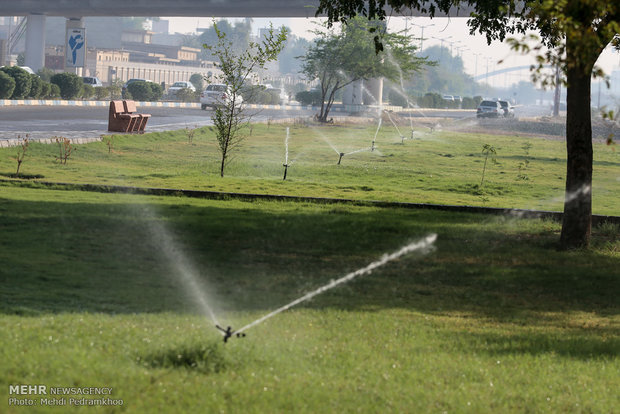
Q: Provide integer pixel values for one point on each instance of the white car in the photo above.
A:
(92, 81)
(177, 86)
(217, 95)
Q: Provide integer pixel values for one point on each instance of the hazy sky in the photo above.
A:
(473, 49)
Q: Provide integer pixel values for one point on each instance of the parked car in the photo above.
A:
(177, 86)
(92, 81)
(448, 98)
(509, 110)
(489, 109)
(217, 95)
(132, 80)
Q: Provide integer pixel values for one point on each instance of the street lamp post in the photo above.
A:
(422, 37)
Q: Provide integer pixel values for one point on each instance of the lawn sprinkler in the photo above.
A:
(340, 159)
(228, 332)
(372, 146)
(285, 170)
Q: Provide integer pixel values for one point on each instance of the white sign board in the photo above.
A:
(75, 47)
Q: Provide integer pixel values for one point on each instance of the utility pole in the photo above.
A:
(422, 38)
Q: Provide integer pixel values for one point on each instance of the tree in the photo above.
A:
(238, 34)
(338, 59)
(237, 68)
(575, 32)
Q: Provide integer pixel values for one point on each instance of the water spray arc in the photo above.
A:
(421, 245)
(286, 164)
(374, 139)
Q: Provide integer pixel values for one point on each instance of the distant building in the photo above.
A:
(161, 26)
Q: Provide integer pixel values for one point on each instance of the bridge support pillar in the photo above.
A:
(35, 41)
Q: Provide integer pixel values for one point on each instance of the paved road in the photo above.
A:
(91, 122)
(41, 122)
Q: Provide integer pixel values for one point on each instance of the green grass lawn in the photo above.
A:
(100, 290)
(494, 319)
(442, 167)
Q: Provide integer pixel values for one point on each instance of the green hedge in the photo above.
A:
(70, 84)
(7, 85)
(23, 81)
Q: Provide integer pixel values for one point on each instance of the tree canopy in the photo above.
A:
(339, 58)
(573, 33)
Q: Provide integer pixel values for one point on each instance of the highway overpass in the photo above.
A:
(74, 10)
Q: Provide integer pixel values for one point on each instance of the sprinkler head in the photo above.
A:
(228, 332)
(340, 159)
(285, 170)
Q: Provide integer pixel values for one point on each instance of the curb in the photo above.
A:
(217, 195)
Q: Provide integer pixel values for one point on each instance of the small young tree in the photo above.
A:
(487, 150)
(230, 118)
(22, 148)
(65, 149)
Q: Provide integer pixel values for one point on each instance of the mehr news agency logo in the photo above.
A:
(32, 395)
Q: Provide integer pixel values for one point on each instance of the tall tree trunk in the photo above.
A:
(577, 218)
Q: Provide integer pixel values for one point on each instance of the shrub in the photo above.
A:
(144, 91)
(468, 103)
(87, 91)
(309, 97)
(46, 88)
(156, 91)
(102, 93)
(54, 91)
(70, 84)
(45, 74)
(140, 91)
(22, 79)
(7, 85)
(186, 95)
(36, 86)
(197, 80)
(115, 88)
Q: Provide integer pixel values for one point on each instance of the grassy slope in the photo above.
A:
(443, 167)
(494, 320)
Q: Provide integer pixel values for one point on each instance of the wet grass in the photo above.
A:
(442, 167)
(493, 320)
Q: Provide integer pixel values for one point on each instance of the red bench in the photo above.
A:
(130, 109)
(119, 120)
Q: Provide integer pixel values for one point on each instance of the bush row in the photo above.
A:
(435, 100)
(16, 83)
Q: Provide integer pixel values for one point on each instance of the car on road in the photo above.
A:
(217, 95)
(93, 81)
(509, 110)
(489, 109)
(177, 86)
